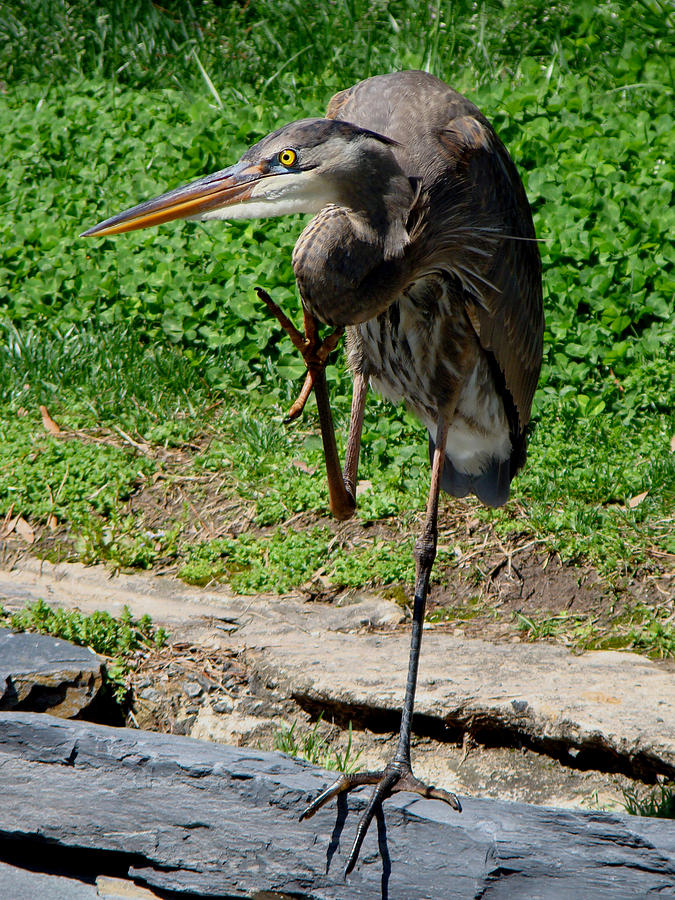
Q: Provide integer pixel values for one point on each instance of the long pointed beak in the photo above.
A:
(221, 189)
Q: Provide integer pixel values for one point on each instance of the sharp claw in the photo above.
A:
(446, 796)
(324, 797)
(356, 849)
(337, 787)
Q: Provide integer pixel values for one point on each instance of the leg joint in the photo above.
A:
(425, 550)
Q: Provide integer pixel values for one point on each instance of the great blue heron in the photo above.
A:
(422, 247)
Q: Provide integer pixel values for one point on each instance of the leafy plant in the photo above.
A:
(119, 639)
(659, 803)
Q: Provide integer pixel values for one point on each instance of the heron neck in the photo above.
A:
(378, 217)
(343, 272)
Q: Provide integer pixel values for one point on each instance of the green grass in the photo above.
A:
(42, 475)
(119, 639)
(283, 49)
(659, 803)
(314, 747)
(104, 374)
(159, 334)
(640, 628)
(287, 559)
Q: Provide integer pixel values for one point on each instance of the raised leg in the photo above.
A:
(398, 776)
(341, 488)
(314, 351)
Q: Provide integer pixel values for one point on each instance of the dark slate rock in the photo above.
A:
(211, 820)
(18, 883)
(44, 674)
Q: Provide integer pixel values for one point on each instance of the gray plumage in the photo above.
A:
(422, 245)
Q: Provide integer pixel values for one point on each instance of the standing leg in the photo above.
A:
(398, 776)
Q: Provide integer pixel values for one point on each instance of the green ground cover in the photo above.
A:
(153, 354)
(122, 640)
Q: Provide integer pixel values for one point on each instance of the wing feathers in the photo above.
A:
(472, 217)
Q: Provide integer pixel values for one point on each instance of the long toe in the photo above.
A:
(408, 782)
(396, 777)
(341, 785)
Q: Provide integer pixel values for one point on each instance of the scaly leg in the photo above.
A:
(398, 776)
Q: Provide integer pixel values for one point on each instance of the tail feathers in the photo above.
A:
(492, 486)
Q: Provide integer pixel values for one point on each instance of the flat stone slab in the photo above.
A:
(209, 820)
(354, 659)
(41, 673)
(18, 883)
(616, 704)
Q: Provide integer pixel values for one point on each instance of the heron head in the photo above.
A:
(300, 168)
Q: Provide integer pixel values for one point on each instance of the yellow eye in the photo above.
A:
(288, 157)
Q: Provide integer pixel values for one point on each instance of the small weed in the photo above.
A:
(124, 543)
(550, 626)
(659, 803)
(118, 639)
(398, 594)
(250, 564)
(642, 629)
(656, 639)
(315, 749)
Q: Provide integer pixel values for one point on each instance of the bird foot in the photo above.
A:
(397, 776)
(314, 351)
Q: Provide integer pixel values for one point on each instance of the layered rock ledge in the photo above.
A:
(203, 820)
